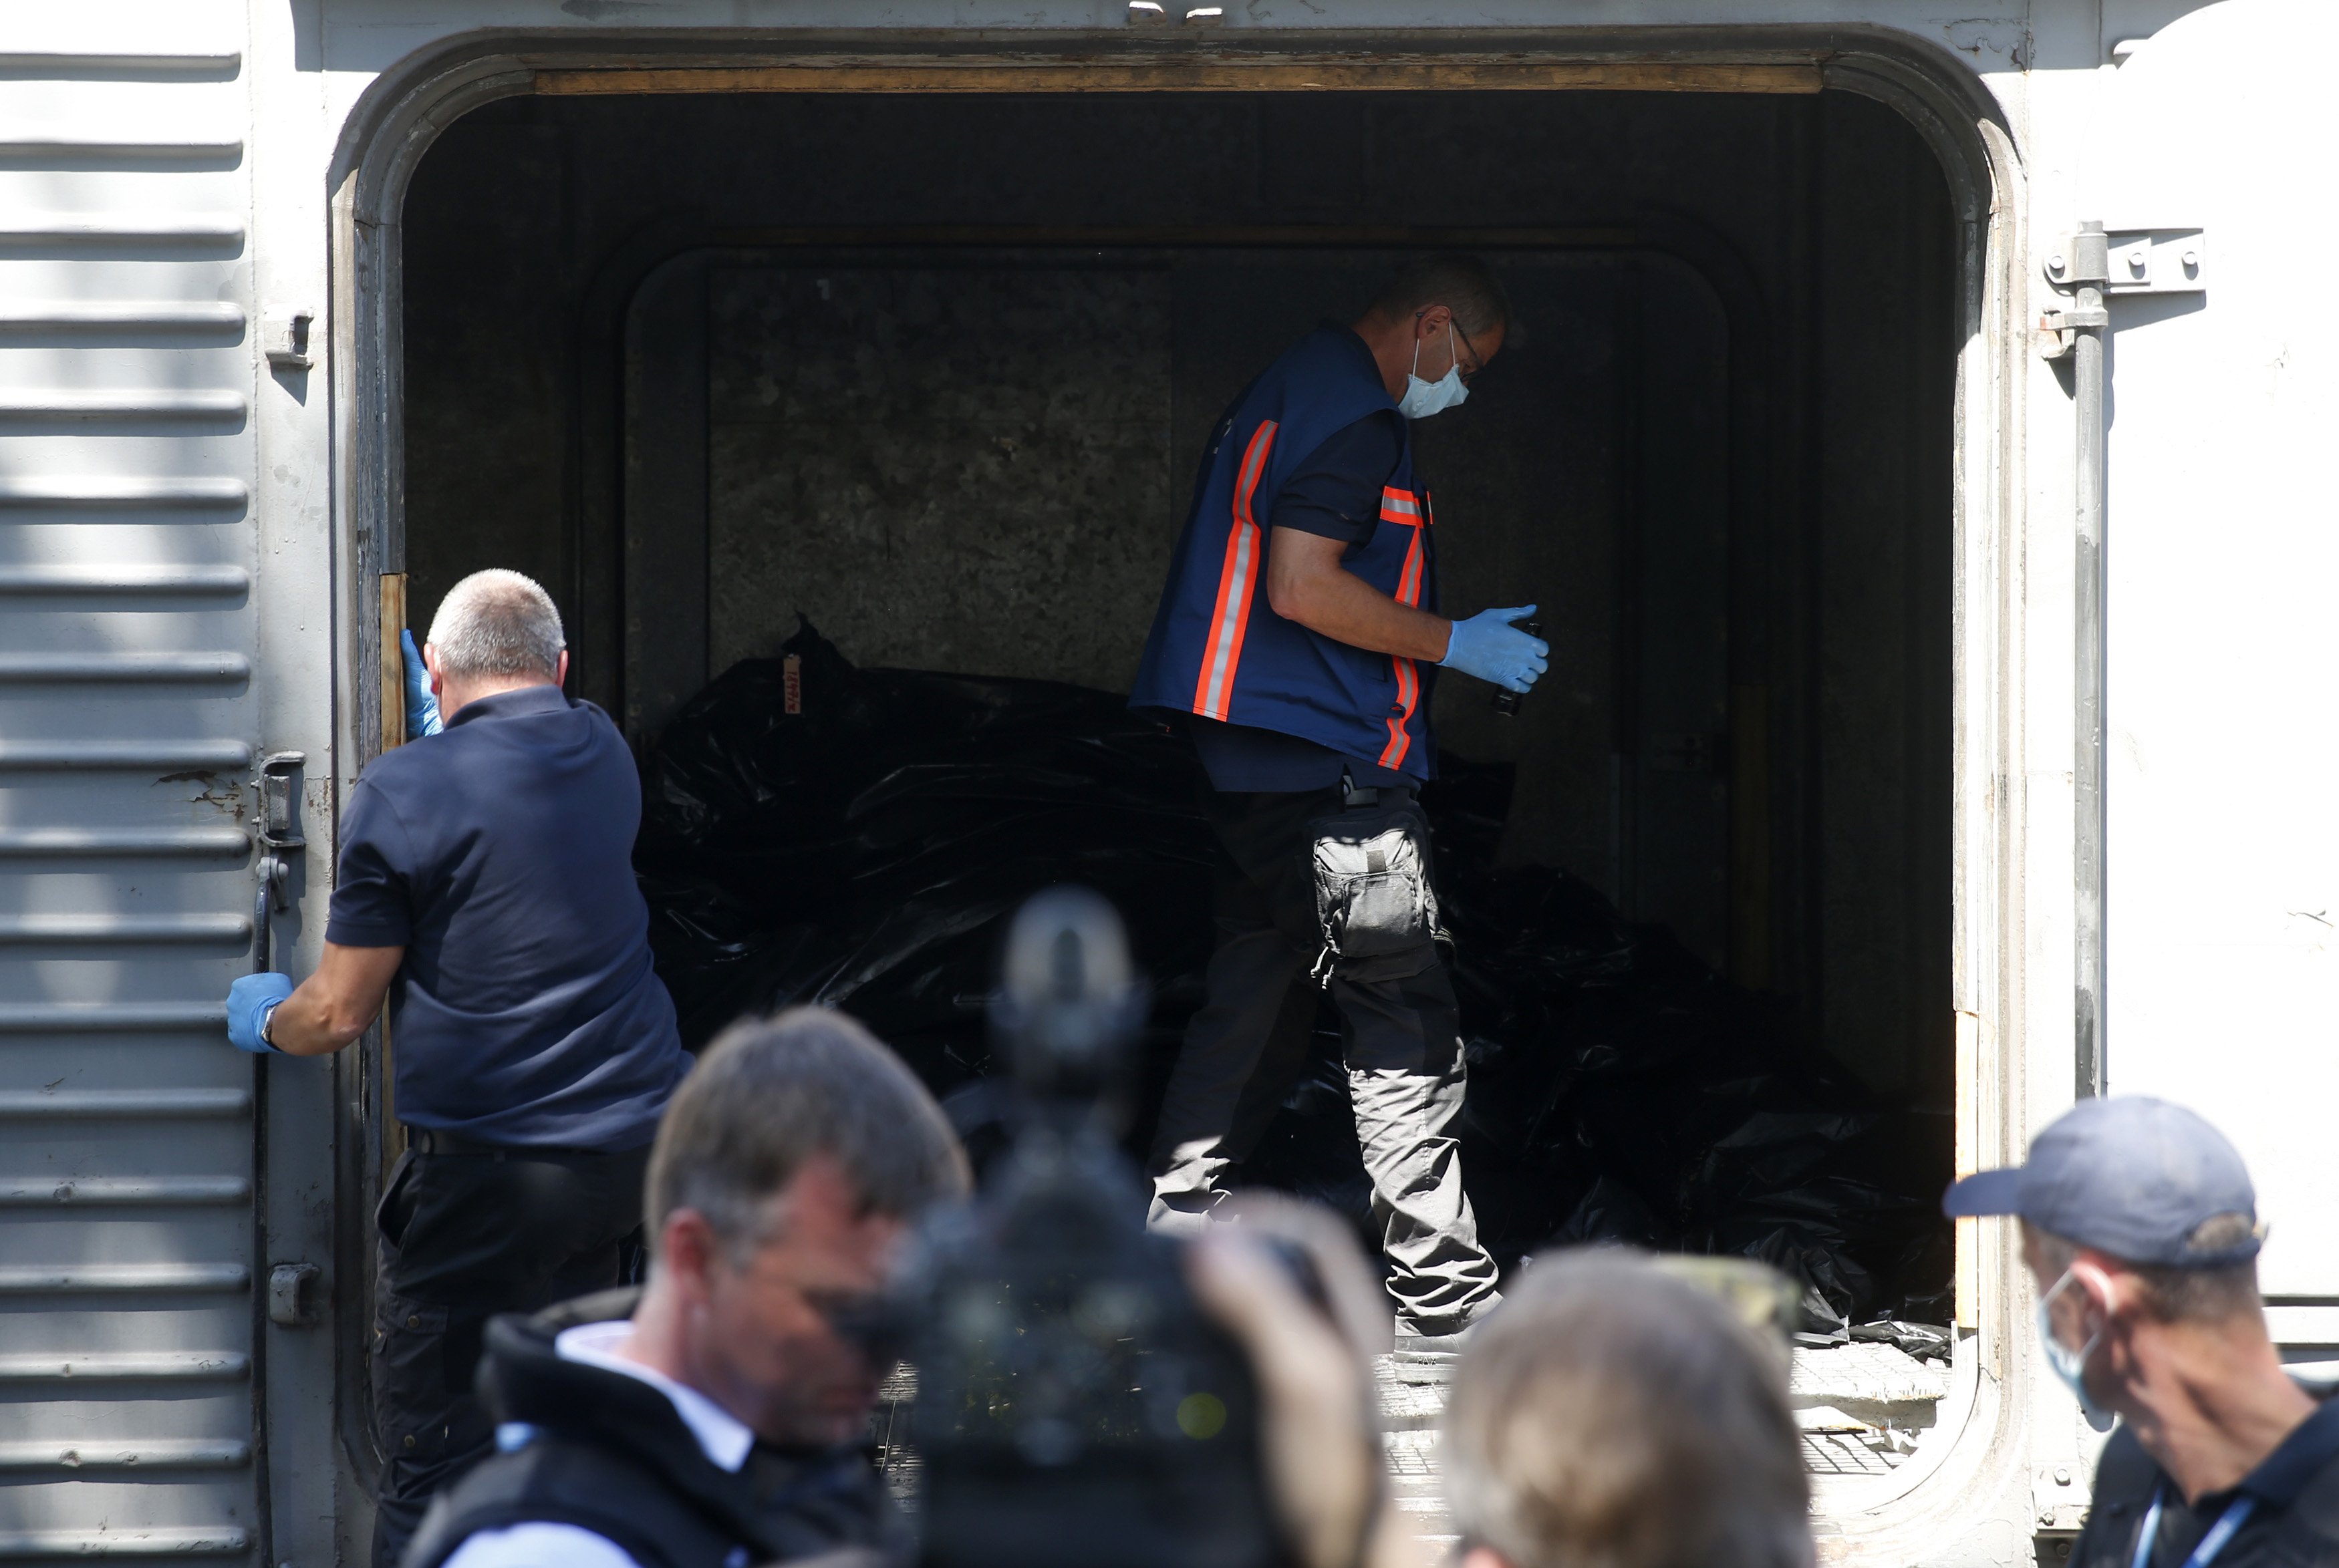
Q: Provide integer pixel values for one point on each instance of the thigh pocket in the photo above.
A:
(413, 1392)
(1373, 894)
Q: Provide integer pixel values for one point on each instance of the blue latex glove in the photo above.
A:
(250, 1000)
(421, 707)
(1488, 647)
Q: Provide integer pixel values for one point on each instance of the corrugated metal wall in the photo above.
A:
(127, 730)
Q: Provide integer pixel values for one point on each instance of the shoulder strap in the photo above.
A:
(556, 1481)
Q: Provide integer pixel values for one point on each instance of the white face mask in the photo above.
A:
(1422, 399)
(2070, 1366)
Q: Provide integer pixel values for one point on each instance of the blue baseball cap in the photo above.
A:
(2130, 1176)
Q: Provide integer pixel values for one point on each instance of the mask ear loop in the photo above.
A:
(2071, 1277)
(1453, 349)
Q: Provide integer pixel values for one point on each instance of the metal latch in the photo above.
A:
(2059, 1495)
(291, 1294)
(279, 831)
(2134, 262)
(2106, 264)
(1688, 753)
(284, 334)
(279, 800)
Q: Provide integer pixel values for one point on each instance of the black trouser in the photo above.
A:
(1401, 1041)
(462, 1236)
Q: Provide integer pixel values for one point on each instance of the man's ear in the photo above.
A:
(560, 670)
(437, 676)
(2109, 1292)
(688, 1254)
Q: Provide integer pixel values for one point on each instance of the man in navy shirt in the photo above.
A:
(2140, 1229)
(1297, 639)
(486, 887)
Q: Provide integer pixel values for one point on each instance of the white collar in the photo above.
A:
(725, 1438)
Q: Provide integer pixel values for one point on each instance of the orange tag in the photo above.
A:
(792, 685)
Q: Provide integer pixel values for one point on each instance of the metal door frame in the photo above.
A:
(1984, 1473)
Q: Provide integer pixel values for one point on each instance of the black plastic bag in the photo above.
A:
(865, 850)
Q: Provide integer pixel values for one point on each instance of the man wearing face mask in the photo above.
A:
(1297, 639)
(2139, 1225)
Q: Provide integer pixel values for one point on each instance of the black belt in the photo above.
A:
(1353, 794)
(433, 1140)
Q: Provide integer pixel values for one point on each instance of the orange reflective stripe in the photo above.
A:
(1408, 581)
(1238, 583)
(1408, 694)
(1413, 511)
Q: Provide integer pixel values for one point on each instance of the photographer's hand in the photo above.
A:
(1322, 1445)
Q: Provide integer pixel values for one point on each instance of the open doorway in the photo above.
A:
(934, 371)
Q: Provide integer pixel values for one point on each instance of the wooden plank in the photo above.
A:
(393, 662)
(393, 734)
(1192, 74)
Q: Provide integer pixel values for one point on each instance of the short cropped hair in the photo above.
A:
(1463, 284)
(770, 1095)
(1612, 1415)
(498, 623)
(2173, 1293)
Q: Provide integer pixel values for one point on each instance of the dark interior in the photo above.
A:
(936, 371)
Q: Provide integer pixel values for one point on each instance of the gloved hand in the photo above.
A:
(1488, 647)
(250, 1000)
(421, 707)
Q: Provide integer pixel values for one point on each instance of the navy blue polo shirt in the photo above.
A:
(498, 853)
(1335, 493)
(2294, 1493)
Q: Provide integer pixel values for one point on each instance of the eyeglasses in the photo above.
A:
(1478, 361)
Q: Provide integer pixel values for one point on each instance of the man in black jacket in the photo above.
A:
(2139, 1224)
(718, 1427)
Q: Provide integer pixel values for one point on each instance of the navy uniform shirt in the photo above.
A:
(499, 854)
(2293, 1519)
(1337, 494)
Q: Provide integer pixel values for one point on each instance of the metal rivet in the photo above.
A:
(2192, 260)
(409, 1440)
(2062, 1475)
(415, 1321)
(2136, 264)
(2054, 263)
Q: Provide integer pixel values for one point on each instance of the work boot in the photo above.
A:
(1419, 1358)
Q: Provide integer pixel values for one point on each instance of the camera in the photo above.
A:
(1075, 1406)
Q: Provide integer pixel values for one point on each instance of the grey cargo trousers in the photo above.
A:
(1400, 1042)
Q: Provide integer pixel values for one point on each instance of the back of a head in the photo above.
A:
(1612, 1415)
(1463, 284)
(498, 625)
(771, 1094)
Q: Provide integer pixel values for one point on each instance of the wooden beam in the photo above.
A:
(394, 661)
(1189, 73)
